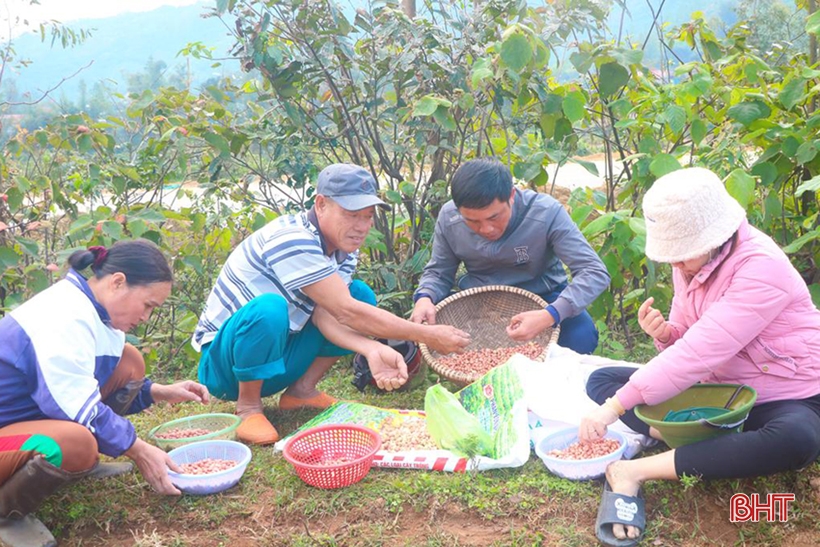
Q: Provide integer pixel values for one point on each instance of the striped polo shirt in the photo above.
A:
(281, 258)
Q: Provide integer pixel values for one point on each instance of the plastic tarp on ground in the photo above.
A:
(518, 403)
(497, 400)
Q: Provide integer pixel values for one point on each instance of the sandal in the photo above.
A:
(619, 509)
(256, 429)
(320, 401)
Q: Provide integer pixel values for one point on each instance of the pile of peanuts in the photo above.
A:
(207, 466)
(182, 433)
(407, 434)
(587, 450)
(481, 361)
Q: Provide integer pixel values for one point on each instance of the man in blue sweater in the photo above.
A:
(507, 236)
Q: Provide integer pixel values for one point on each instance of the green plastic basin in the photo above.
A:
(700, 397)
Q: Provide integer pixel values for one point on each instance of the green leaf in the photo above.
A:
(8, 258)
(697, 130)
(392, 196)
(798, 243)
(741, 186)
(628, 56)
(112, 229)
(573, 106)
(516, 50)
(444, 118)
(137, 227)
(219, 142)
(767, 172)
(611, 78)
(526, 170)
(482, 70)
(662, 164)
(790, 145)
(588, 165)
(599, 225)
(221, 6)
(809, 186)
(813, 23)
(581, 61)
(806, 152)
(638, 226)
(814, 289)
(426, 106)
(29, 246)
(749, 111)
(772, 208)
(676, 118)
(84, 143)
(792, 93)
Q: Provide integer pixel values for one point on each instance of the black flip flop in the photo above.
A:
(619, 509)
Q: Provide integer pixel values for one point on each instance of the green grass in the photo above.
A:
(518, 507)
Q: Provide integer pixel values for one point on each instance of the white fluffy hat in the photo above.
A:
(688, 213)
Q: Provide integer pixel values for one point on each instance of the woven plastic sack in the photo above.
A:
(452, 427)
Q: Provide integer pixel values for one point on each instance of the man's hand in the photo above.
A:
(424, 312)
(446, 339)
(187, 390)
(653, 323)
(529, 324)
(387, 367)
(153, 463)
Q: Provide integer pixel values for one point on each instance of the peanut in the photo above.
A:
(207, 466)
(405, 435)
(587, 450)
(481, 361)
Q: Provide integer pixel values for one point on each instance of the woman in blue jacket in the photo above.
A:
(68, 378)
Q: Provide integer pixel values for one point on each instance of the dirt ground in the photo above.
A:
(261, 522)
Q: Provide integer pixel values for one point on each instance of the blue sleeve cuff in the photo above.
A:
(421, 294)
(554, 313)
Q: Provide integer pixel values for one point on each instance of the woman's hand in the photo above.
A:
(653, 323)
(187, 390)
(594, 424)
(529, 324)
(153, 463)
(387, 367)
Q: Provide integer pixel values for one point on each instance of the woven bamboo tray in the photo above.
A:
(484, 313)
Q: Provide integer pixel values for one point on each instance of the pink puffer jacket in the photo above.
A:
(745, 318)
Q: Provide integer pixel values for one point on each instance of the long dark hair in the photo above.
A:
(139, 259)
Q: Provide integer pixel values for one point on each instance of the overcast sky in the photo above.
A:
(13, 12)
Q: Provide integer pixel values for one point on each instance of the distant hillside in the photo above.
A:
(122, 45)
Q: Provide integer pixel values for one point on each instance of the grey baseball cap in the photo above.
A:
(350, 186)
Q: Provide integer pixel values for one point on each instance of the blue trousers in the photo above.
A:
(777, 436)
(577, 333)
(256, 343)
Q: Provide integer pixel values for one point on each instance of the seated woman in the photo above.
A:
(69, 377)
(741, 314)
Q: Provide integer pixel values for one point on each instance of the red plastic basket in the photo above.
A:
(332, 456)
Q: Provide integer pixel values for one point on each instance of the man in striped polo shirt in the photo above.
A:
(285, 307)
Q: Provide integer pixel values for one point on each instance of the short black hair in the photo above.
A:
(139, 259)
(478, 183)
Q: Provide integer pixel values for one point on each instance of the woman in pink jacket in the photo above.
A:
(741, 314)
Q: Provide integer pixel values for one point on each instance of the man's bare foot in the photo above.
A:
(622, 481)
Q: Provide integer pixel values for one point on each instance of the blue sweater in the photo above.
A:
(56, 350)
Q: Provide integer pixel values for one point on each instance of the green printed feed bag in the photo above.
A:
(452, 427)
(496, 401)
